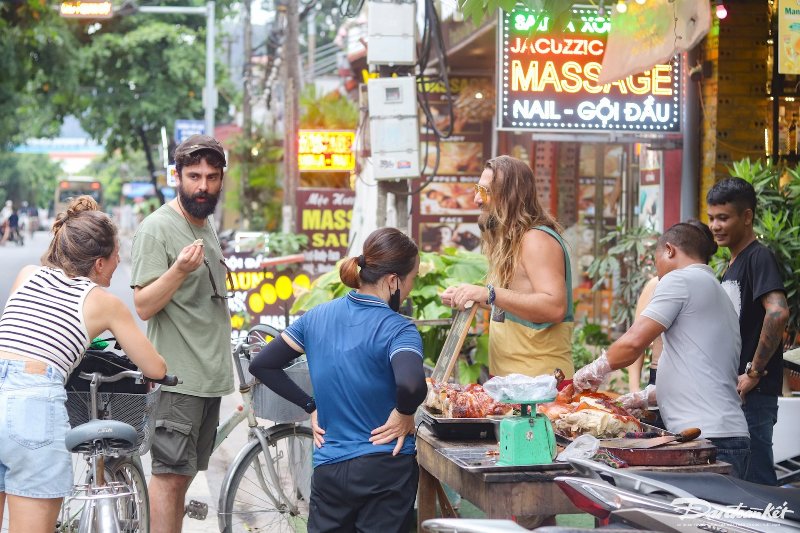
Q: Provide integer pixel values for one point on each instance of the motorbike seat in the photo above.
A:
(726, 490)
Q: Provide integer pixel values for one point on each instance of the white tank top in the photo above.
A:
(43, 319)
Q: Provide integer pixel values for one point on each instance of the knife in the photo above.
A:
(684, 436)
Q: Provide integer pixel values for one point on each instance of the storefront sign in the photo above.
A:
(258, 295)
(789, 37)
(326, 151)
(87, 9)
(549, 79)
(325, 216)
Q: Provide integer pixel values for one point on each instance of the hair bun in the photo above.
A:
(76, 206)
(81, 204)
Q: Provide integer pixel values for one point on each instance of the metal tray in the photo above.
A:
(484, 459)
(459, 428)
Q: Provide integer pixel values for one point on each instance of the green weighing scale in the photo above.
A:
(527, 439)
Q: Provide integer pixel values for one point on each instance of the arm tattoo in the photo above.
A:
(777, 314)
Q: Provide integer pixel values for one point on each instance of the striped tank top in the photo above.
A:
(43, 319)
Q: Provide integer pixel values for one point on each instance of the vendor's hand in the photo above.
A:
(397, 426)
(190, 258)
(318, 431)
(459, 297)
(638, 402)
(745, 385)
(592, 375)
(447, 296)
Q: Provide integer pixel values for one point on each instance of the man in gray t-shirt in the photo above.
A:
(698, 369)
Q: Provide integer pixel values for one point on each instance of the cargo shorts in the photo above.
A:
(186, 427)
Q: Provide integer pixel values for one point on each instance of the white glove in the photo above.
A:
(638, 402)
(592, 375)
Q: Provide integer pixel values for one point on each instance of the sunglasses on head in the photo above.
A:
(483, 191)
(229, 277)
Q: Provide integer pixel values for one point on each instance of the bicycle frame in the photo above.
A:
(245, 411)
(242, 412)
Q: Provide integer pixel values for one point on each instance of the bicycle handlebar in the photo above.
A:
(168, 379)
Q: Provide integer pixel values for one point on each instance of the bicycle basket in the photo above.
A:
(138, 410)
(270, 406)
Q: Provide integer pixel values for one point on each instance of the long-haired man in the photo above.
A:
(529, 285)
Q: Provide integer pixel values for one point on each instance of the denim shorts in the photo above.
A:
(34, 462)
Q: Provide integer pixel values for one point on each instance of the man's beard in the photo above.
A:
(195, 208)
(487, 221)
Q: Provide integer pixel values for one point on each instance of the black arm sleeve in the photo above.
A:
(409, 376)
(268, 365)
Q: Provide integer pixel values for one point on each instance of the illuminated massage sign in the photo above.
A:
(549, 79)
(322, 150)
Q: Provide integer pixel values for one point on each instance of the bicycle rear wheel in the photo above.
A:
(253, 500)
(133, 512)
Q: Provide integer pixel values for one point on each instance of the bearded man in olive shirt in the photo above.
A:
(178, 276)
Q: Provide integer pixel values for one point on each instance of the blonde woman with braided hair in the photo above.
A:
(529, 285)
(48, 322)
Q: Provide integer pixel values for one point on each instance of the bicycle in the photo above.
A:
(110, 430)
(268, 484)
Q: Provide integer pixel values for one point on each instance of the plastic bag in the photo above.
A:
(517, 388)
(583, 447)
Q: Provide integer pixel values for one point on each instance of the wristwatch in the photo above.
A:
(492, 295)
(752, 372)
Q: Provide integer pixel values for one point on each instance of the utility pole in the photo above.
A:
(291, 50)
(247, 117)
(312, 43)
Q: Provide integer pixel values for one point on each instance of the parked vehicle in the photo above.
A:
(639, 500)
(685, 502)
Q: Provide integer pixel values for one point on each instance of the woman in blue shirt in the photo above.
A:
(365, 362)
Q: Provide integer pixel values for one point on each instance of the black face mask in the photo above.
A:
(394, 299)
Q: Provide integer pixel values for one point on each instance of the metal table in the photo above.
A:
(505, 494)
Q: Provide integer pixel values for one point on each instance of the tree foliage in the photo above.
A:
(480, 10)
(27, 178)
(139, 81)
(38, 78)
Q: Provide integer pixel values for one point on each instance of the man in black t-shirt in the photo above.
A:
(753, 282)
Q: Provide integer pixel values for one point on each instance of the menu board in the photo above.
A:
(444, 212)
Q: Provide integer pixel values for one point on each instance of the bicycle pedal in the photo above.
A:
(197, 510)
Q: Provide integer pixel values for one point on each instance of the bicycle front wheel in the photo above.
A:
(253, 499)
(133, 512)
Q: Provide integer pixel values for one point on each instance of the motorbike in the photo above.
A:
(665, 502)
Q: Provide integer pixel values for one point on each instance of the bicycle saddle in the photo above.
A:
(116, 434)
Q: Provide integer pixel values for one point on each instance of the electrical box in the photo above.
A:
(391, 33)
(394, 127)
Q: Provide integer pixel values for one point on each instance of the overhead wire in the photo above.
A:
(433, 41)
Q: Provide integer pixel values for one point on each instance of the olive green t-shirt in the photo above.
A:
(193, 331)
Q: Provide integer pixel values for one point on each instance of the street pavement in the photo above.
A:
(206, 486)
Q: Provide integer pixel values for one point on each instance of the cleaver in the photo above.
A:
(684, 436)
